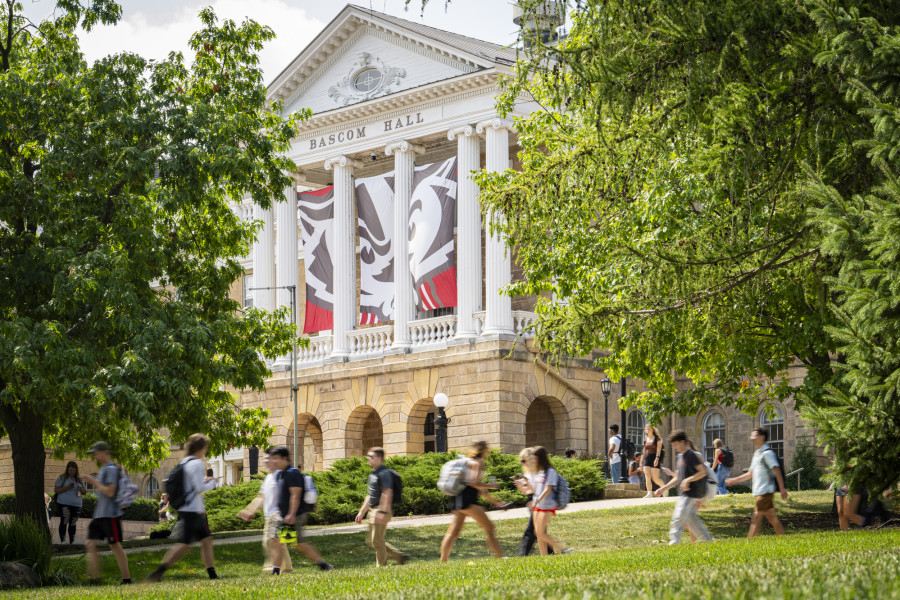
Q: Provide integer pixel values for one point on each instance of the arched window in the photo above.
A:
(151, 487)
(772, 419)
(635, 433)
(713, 428)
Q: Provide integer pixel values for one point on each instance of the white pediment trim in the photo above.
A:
(340, 35)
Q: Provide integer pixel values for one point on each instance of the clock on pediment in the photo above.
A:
(368, 77)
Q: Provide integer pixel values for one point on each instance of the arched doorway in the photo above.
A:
(421, 427)
(364, 430)
(309, 434)
(547, 425)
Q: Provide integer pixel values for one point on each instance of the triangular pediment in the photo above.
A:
(362, 55)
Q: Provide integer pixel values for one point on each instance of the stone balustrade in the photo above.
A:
(436, 330)
(318, 350)
(371, 340)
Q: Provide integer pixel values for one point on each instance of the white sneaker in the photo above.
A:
(649, 495)
(568, 551)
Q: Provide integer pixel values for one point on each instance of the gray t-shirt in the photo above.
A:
(106, 507)
(69, 497)
(379, 479)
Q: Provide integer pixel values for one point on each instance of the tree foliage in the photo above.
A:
(117, 244)
(664, 209)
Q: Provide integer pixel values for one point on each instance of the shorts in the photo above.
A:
(196, 527)
(466, 498)
(839, 490)
(765, 503)
(298, 526)
(106, 528)
(548, 510)
(648, 460)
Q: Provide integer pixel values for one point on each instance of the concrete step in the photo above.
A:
(623, 490)
(624, 486)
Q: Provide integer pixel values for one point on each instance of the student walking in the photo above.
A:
(614, 455)
(767, 478)
(378, 504)
(267, 499)
(653, 447)
(465, 504)
(193, 512)
(691, 481)
(69, 488)
(542, 481)
(529, 538)
(106, 523)
(292, 506)
(721, 456)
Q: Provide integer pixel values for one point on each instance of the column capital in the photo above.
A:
(465, 130)
(403, 146)
(342, 161)
(495, 123)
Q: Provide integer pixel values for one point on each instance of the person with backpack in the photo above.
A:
(767, 478)
(267, 499)
(465, 502)
(691, 479)
(383, 493)
(295, 502)
(107, 521)
(723, 460)
(613, 454)
(187, 498)
(542, 483)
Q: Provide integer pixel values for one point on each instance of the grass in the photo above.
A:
(621, 553)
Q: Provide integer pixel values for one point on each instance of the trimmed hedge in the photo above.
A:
(143, 509)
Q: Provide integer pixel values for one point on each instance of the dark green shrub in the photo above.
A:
(223, 505)
(805, 458)
(585, 477)
(142, 509)
(26, 541)
(7, 504)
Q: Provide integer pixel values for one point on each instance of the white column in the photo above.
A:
(264, 261)
(404, 171)
(468, 228)
(286, 267)
(344, 254)
(498, 314)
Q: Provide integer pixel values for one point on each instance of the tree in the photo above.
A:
(117, 244)
(663, 211)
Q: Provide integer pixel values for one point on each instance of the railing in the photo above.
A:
(437, 330)
(523, 323)
(797, 473)
(370, 340)
(479, 321)
(318, 350)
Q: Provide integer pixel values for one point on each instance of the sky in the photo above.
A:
(153, 28)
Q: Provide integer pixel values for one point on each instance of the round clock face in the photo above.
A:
(367, 81)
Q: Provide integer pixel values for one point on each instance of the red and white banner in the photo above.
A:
(317, 231)
(375, 215)
(432, 257)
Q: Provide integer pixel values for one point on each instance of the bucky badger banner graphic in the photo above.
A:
(375, 214)
(432, 258)
(317, 231)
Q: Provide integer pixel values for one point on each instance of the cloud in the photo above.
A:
(151, 37)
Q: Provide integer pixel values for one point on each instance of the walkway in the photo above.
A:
(404, 522)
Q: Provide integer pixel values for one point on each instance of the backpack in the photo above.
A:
(310, 494)
(452, 479)
(397, 486)
(712, 481)
(626, 448)
(175, 485)
(727, 457)
(783, 473)
(126, 491)
(563, 492)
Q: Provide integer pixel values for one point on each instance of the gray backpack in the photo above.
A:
(452, 479)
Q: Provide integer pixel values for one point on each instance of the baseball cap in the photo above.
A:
(98, 446)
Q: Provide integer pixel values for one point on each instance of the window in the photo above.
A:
(635, 424)
(90, 486)
(772, 419)
(151, 488)
(248, 291)
(713, 428)
(368, 80)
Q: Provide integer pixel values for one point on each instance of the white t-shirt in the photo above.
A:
(269, 491)
(614, 443)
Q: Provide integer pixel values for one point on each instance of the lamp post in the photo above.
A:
(440, 423)
(294, 387)
(605, 387)
(624, 432)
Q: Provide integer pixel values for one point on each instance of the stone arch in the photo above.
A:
(364, 429)
(420, 436)
(547, 424)
(309, 434)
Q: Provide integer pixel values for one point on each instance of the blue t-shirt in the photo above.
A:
(107, 507)
(69, 497)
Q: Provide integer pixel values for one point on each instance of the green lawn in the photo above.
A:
(620, 554)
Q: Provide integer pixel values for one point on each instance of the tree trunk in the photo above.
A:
(25, 431)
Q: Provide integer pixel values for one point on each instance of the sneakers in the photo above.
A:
(568, 551)
(649, 495)
(403, 559)
(325, 566)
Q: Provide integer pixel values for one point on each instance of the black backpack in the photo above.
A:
(727, 457)
(626, 448)
(175, 485)
(397, 485)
